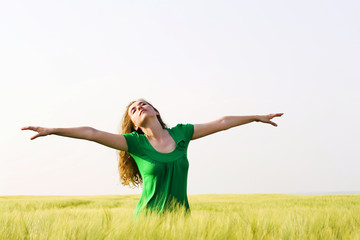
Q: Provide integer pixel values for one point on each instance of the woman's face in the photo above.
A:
(140, 112)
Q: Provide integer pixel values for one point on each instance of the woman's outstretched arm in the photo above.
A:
(224, 123)
(116, 141)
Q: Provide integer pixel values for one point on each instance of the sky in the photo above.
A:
(79, 63)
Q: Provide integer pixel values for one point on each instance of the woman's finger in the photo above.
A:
(275, 115)
(35, 136)
(29, 128)
(274, 124)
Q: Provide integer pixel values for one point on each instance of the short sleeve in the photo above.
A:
(132, 140)
(188, 130)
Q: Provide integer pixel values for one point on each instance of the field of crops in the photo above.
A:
(244, 216)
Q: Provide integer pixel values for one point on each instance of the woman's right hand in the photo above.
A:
(40, 130)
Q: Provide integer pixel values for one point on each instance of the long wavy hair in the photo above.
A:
(129, 171)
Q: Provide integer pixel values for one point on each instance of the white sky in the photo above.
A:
(79, 63)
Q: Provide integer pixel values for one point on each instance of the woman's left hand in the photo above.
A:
(267, 118)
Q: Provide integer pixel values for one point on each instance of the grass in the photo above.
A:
(247, 216)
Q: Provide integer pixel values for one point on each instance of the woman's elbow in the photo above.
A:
(224, 123)
(91, 133)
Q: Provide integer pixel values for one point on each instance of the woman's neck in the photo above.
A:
(154, 131)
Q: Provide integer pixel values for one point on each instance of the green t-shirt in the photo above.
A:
(164, 174)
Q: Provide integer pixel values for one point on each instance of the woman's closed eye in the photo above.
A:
(134, 109)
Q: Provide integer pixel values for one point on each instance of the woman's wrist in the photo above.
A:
(52, 131)
(257, 118)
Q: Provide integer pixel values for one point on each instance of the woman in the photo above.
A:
(152, 154)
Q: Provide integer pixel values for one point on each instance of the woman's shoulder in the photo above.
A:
(186, 129)
(183, 125)
(134, 136)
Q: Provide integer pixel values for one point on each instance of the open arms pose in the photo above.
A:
(152, 154)
(117, 141)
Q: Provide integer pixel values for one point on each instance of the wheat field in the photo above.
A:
(243, 216)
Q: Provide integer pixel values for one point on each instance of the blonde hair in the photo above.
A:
(128, 169)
